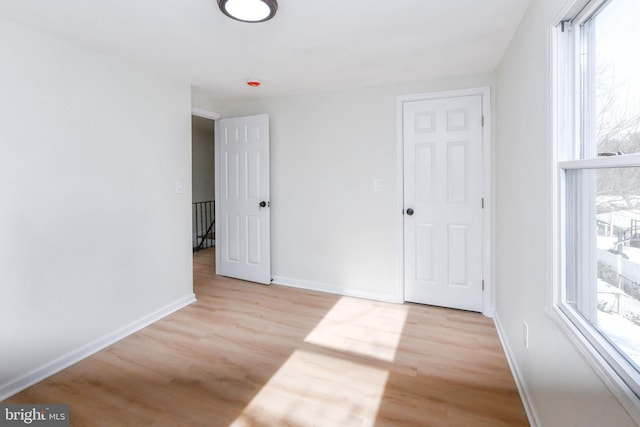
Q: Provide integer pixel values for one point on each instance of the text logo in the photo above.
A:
(34, 415)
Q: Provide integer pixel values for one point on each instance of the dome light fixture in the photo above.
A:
(249, 10)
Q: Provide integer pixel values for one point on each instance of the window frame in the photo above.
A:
(570, 90)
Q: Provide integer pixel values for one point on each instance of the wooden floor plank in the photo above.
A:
(253, 355)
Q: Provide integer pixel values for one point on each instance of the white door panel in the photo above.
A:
(443, 188)
(242, 224)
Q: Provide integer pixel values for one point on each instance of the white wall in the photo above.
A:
(330, 230)
(561, 387)
(93, 237)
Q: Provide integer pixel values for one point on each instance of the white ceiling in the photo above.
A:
(310, 46)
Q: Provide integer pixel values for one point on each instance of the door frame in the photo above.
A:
(207, 114)
(487, 217)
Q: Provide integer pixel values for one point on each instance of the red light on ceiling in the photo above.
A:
(253, 83)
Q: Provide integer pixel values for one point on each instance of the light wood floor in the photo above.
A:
(254, 355)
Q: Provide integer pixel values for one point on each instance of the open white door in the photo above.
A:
(242, 198)
(443, 190)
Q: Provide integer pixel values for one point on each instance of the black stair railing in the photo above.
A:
(204, 233)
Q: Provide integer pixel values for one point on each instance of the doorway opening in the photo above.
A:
(203, 183)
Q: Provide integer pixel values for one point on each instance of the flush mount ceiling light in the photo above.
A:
(249, 10)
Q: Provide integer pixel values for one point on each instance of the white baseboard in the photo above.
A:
(335, 289)
(74, 356)
(534, 420)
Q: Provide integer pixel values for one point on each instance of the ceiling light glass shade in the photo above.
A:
(249, 10)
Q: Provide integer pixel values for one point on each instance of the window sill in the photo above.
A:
(607, 374)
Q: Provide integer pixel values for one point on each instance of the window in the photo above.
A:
(598, 141)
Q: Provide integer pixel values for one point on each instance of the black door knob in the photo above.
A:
(263, 204)
(409, 211)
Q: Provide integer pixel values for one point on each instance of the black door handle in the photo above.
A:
(263, 204)
(409, 211)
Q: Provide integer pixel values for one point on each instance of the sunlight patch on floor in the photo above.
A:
(367, 328)
(307, 384)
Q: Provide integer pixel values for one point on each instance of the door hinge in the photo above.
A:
(483, 284)
(482, 120)
(482, 203)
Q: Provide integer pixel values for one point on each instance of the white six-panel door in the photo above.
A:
(242, 198)
(443, 190)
